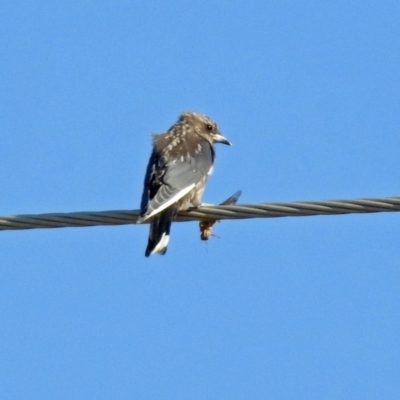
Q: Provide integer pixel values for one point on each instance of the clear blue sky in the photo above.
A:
(285, 308)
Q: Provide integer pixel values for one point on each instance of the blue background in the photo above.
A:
(285, 308)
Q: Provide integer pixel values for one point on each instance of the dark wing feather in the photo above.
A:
(152, 181)
(166, 182)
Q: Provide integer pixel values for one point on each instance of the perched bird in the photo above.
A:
(178, 169)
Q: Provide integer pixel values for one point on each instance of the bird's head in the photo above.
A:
(204, 127)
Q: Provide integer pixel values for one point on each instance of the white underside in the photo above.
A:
(162, 244)
(171, 201)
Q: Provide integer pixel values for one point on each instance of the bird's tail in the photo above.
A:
(160, 226)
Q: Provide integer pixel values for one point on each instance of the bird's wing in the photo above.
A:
(167, 182)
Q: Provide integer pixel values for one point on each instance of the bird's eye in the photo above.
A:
(209, 127)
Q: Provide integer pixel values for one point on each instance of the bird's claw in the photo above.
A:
(207, 224)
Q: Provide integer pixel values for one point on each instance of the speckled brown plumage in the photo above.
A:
(178, 169)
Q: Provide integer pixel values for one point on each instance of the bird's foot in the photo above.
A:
(206, 225)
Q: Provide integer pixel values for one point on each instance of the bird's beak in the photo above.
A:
(221, 139)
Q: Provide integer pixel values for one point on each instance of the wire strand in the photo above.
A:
(220, 212)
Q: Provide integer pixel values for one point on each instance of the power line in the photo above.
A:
(241, 211)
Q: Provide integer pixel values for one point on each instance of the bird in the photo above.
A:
(180, 163)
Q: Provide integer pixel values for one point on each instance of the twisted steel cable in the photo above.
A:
(214, 212)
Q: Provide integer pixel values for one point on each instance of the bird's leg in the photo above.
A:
(207, 224)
